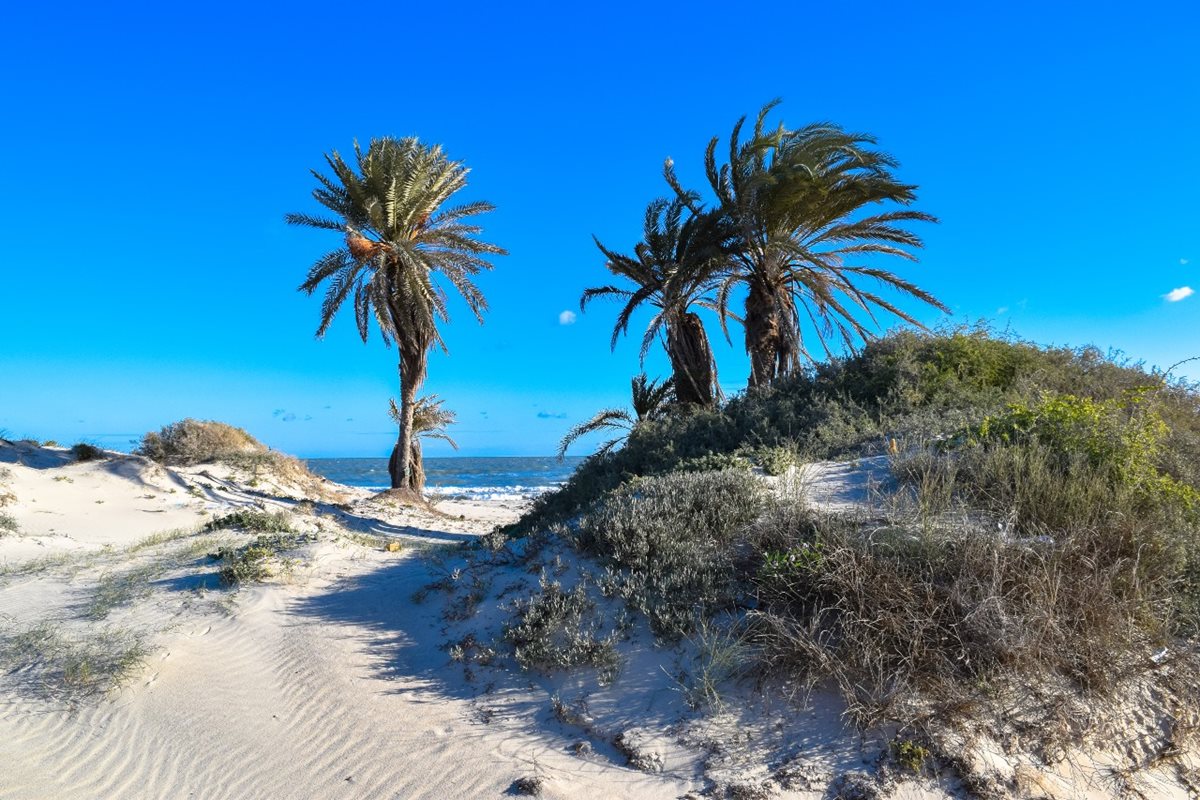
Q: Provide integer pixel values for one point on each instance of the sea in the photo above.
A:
(460, 478)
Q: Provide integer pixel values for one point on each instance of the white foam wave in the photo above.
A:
(483, 493)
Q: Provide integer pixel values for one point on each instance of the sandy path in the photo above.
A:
(332, 684)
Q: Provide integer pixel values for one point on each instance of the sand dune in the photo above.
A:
(334, 678)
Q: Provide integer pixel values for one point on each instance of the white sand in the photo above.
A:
(332, 681)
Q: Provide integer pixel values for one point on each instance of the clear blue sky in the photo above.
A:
(149, 154)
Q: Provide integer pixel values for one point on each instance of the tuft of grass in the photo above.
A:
(6, 496)
(724, 653)
(162, 537)
(8, 524)
(121, 588)
(48, 662)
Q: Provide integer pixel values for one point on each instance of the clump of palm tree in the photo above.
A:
(799, 201)
(430, 421)
(673, 269)
(651, 399)
(399, 244)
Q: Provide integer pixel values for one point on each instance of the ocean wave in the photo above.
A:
(489, 493)
(516, 492)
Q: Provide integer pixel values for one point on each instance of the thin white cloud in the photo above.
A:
(1175, 295)
(566, 318)
(1184, 261)
(1001, 310)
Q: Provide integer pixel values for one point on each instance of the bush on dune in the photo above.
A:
(193, 441)
(190, 442)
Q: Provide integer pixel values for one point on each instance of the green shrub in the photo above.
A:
(899, 615)
(669, 542)
(777, 459)
(558, 629)
(252, 562)
(8, 523)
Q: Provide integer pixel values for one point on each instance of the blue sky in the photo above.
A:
(150, 152)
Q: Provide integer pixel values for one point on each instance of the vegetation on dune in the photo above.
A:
(910, 387)
(190, 441)
(193, 441)
(1045, 525)
(256, 560)
(399, 241)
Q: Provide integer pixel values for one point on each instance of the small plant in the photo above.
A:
(252, 562)
(8, 523)
(50, 443)
(252, 521)
(83, 451)
(910, 755)
(529, 786)
(776, 460)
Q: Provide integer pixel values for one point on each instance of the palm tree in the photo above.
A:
(398, 242)
(650, 401)
(797, 200)
(430, 421)
(673, 268)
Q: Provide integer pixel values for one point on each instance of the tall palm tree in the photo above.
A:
(800, 200)
(399, 242)
(430, 421)
(673, 268)
(650, 401)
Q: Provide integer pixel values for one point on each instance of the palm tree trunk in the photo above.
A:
(763, 334)
(416, 470)
(691, 361)
(412, 375)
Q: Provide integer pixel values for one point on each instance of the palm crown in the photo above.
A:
(797, 199)
(673, 268)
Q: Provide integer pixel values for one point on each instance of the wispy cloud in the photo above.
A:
(1184, 261)
(1001, 310)
(566, 318)
(1175, 295)
(548, 415)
